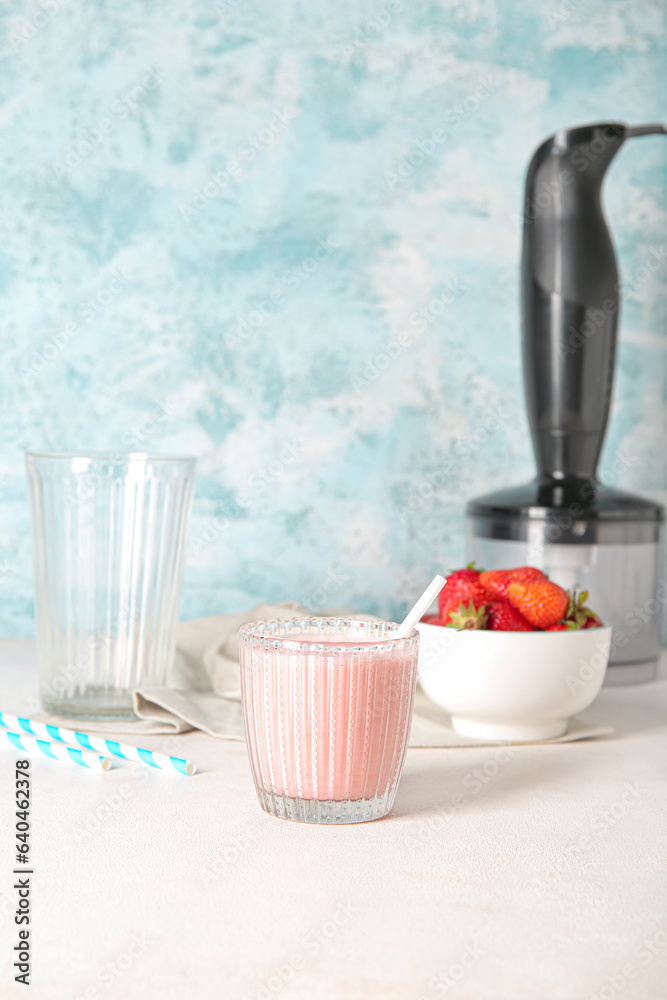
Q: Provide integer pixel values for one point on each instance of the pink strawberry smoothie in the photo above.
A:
(331, 723)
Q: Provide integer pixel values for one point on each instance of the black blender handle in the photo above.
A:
(570, 297)
(631, 132)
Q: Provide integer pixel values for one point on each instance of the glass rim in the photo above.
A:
(259, 630)
(108, 456)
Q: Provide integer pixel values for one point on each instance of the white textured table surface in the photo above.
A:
(546, 878)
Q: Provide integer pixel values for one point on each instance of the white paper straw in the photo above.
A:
(420, 607)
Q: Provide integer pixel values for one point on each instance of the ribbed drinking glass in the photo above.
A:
(108, 534)
(327, 704)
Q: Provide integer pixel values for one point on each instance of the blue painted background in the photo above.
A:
(227, 229)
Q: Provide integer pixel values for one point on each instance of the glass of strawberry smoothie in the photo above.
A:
(327, 704)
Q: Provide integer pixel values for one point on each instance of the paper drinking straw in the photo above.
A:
(91, 742)
(419, 608)
(58, 751)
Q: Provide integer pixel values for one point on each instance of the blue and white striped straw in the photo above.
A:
(91, 742)
(57, 751)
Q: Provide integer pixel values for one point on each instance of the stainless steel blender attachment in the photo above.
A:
(581, 532)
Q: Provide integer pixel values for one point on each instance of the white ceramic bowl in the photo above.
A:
(518, 686)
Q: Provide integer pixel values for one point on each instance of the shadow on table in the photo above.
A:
(632, 710)
(459, 780)
(488, 779)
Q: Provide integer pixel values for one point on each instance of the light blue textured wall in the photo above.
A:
(213, 242)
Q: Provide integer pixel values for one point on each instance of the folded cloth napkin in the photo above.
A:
(205, 688)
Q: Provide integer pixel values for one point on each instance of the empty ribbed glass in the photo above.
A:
(327, 704)
(108, 536)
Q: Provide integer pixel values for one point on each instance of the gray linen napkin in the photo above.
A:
(204, 688)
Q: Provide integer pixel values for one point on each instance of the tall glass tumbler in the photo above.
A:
(108, 534)
(327, 704)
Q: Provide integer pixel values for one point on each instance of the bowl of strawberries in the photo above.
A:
(510, 655)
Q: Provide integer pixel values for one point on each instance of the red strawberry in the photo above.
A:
(524, 574)
(577, 615)
(541, 602)
(504, 618)
(496, 581)
(472, 616)
(454, 605)
(462, 585)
